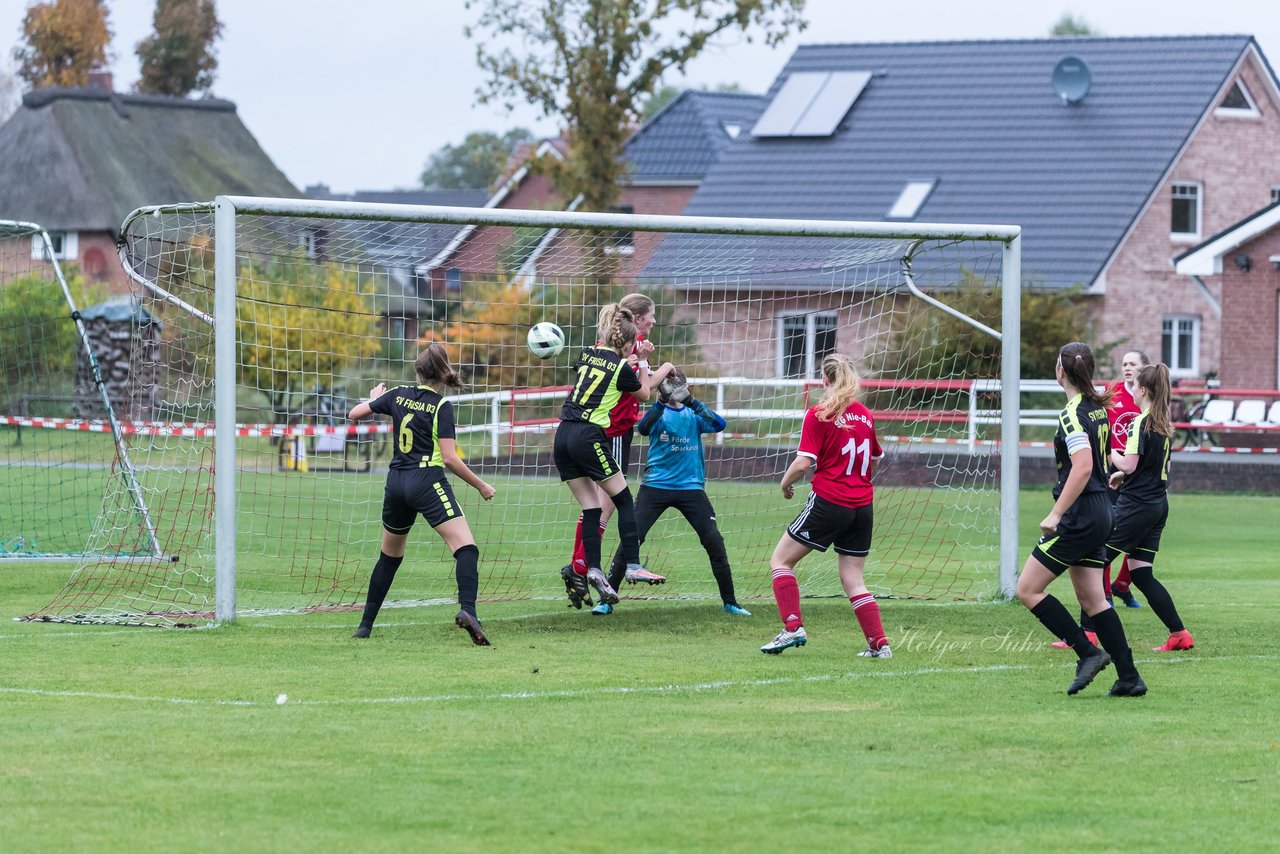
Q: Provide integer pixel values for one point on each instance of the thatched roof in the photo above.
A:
(82, 159)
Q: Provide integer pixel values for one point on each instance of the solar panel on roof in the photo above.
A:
(811, 103)
(832, 103)
(790, 104)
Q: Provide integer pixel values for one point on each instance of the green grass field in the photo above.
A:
(658, 728)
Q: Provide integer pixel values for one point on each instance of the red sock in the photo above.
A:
(867, 610)
(579, 559)
(786, 591)
(1106, 580)
(1122, 578)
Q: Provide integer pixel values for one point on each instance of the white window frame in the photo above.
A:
(1250, 112)
(70, 250)
(1187, 236)
(1275, 193)
(811, 364)
(1174, 355)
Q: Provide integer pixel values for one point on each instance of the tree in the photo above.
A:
(39, 342)
(1070, 25)
(177, 58)
(299, 327)
(476, 163)
(62, 41)
(593, 63)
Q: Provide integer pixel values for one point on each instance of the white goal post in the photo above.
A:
(284, 300)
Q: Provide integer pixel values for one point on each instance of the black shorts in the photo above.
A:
(413, 491)
(582, 450)
(1081, 539)
(620, 447)
(1138, 527)
(822, 523)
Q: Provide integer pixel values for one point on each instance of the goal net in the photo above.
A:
(59, 436)
(277, 316)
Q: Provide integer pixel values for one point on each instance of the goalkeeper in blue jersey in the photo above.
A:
(675, 475)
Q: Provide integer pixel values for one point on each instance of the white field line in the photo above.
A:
(586, 693)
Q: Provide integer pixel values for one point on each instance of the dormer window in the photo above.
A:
(1237, 103)
(911, 199)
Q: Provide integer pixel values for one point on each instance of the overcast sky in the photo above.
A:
(358, 94)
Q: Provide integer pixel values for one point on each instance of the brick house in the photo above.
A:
(1240, 265)
(1176, 138)
(78, 161)
(667, 159)
(394, 250)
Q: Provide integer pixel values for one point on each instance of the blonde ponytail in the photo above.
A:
(842, 386)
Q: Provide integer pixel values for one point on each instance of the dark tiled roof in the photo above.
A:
(82, 159)
(688, 135)
(982, 118)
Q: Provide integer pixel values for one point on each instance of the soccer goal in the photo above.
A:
(278, 315)
(61, 440)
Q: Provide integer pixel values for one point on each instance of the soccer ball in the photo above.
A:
(545, 340)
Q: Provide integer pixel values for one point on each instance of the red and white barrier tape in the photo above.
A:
(198, 429)
(201, 429)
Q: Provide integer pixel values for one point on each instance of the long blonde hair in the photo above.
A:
(842, 386)
(616, 328)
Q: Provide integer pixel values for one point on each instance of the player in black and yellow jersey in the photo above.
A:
(423, 438)
(583, 454)
(1076, 529)
(1142, 507)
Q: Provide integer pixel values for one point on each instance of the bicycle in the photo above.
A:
(1179, 413)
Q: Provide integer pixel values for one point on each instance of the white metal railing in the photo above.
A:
(500, 426)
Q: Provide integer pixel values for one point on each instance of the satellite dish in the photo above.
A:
(1071, 79)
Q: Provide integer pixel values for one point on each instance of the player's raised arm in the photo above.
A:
(363, 409)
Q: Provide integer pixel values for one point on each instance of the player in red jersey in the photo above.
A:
(839, 438)
(622, 422)
(1123, 413)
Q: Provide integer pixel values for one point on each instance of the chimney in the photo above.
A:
(100, 80)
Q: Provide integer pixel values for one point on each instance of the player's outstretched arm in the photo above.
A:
(363, 410)
(650, 382)
(709, 420)
(454, 463)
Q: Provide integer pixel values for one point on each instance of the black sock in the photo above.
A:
(591, 537)
(384, 572)
(1111, 636)
(466, 562)
(628, 532)
(1054, 616)
(1086, 624)
(1157, 597)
